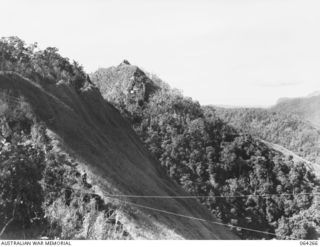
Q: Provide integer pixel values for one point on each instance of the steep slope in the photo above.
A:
(92, 132)
(307, 108)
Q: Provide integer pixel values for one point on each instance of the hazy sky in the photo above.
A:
(231, 52)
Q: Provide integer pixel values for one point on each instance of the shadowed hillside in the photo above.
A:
(92, 132)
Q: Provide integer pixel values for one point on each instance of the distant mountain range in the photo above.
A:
(315, 93)
(306, 108)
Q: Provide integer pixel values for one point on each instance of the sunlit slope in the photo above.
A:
(311, 166)
(93, 132)
(278, 127)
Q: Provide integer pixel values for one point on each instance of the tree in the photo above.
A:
(21, 195)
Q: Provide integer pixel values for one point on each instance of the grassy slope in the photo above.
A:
(96, 135)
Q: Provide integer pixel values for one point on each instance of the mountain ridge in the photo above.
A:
(207, 156)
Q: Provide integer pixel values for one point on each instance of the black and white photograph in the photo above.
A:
(159, 120)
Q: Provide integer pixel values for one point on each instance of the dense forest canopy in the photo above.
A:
(207, 157)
